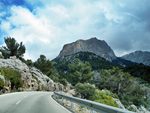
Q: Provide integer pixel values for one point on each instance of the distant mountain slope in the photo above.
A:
(122, 62)
(138, 57)
(96, 61)
(98, 47)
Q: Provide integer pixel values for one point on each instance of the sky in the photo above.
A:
(44, 26)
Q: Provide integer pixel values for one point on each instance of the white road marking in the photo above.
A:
(21, 99)
(18, 102)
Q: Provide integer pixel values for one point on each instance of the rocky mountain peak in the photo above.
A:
(94, 45)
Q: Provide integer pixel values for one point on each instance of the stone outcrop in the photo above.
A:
(93, 45)
(33, 79)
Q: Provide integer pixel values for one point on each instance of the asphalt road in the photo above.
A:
(30, 102)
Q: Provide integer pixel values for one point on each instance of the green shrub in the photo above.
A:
(1, 84)
(63, 81)
(86, 90)
(12, 75)
(104, 98)
(89, 91)
(109, 93)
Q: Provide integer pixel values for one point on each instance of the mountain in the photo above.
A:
(93, 45)
(138, 57)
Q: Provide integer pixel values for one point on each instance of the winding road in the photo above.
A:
(30, 102)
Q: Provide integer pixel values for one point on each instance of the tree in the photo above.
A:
(43, 64)
(86, 90)
(79, 72)
(115, 80)
(46, 66)
(143, 71)
(29, 62)
(128, 88)
(12, 48)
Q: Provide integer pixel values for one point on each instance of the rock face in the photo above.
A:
(93, 45)
(138, 57)
(32, 78)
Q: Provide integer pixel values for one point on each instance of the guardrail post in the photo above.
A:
(92, 111)
(72, 106)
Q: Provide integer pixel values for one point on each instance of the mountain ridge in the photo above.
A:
(138, 57)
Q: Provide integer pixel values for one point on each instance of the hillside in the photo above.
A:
(17, 76)
(119, 76)
(96, 61)
(138, 57)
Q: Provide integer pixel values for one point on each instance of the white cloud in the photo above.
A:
(30, 29)
(5, 26)
(30, 26)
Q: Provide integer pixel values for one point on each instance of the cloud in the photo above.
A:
(27, 27)
(45, 26)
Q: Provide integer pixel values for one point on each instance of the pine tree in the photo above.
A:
(12, 48)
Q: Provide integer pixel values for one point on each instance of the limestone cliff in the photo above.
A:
(98, 47)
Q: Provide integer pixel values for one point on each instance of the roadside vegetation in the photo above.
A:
(12, 79)
(88, 91)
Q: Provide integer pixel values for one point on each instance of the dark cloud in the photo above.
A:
(133, 31)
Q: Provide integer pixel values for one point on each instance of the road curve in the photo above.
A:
(30, 102)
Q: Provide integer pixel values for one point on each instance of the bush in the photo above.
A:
(1, 84)
(86, 90)
(90, 92)
(103, 97)
(12, 75)
(63, 81)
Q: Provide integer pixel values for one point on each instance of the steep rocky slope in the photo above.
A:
(32, 78)
(138, 57)
(98, 47)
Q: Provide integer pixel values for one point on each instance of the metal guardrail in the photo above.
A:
(98, 107)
